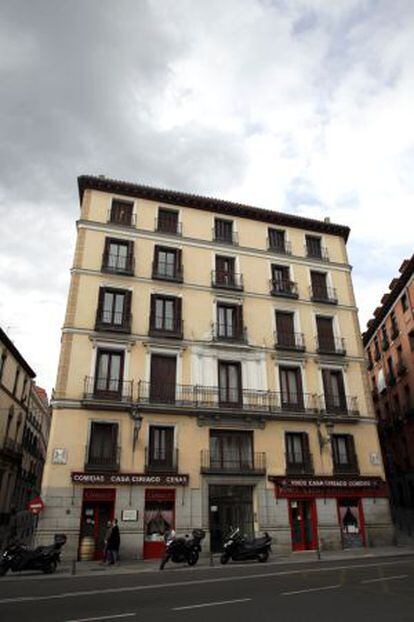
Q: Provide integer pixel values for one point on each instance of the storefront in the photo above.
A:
(98, 507)
(304, 494)
(159, 519)
(230, 506)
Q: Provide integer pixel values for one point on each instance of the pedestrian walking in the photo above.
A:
(107, 554)
(114, 542)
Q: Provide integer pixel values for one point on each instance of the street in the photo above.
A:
(339, 591)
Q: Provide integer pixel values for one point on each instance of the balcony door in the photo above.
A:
(229, 321)
(334, 390)
(291, 388)
(161, 446)
(285, 329)
(231, 450)
(163, 378)
(109, 373)
(319, 286)
(229, 383)
(297, 453)
(344, 454)
(103, 445)
(225, 270)
(326, 339)
(121, 212)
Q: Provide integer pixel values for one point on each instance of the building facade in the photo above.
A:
(211, 375)
(389, 346)
(24, 429)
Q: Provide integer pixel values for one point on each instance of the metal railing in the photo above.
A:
(233, 462)
(12, 448)
(114, 219)
(117, 264)
(167, 272)
(110, 462)
(211, 397)
(230, 237)
(284, 248)
(285, 340)
(166, 462)
(165, 225)
(226, 279)
(106, 389)
(116, 321)
(340, 405)
(349, 468)
(175, 331)
(232, 333)
(283, 287)
(331, 345)
(317, 252)
(323, 294)
(301, 465)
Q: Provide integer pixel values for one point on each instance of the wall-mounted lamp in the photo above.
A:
(137, 419)
(324, 441)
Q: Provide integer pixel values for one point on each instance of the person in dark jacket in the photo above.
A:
(114, 543)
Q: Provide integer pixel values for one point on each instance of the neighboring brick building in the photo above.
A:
(389, 344)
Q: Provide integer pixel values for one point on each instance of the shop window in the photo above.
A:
(350, 520)
(158, 520)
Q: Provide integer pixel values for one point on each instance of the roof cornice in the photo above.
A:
(229, 208)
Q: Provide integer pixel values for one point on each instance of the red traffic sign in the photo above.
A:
(36, 505)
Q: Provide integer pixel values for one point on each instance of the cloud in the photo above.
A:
(302, 106)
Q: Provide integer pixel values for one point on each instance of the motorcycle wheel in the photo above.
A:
(3, 569)
(50, 568)
(263, 557)
(164, 561)
(224, 558)
(192, 558)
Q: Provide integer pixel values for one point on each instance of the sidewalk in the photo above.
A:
(205, 562)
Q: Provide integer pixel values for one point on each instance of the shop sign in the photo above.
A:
(129, 479)
(329, 486)
(129, 515)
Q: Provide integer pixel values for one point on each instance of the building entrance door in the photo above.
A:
(97, 511)
(230, 507)
(302, 513)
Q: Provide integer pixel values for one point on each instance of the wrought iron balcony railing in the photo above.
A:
(115, 390)
(225, 237)
(348, 468)
(331, 345)
(163, 462)
(285, 340)
(12, 449)
(116, 321)
(118, 264)
(124, 220)
(174, 330)
(340, 405)
(282, 248)
(164, 271)
(283, 287)
(104, 461)
(323, 294)
(231, 333)
(233, 462)
(168, 225)
(226, 279)
(212, 397)
(299, 465)
(317, 252)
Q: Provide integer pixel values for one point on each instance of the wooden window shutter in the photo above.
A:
(127, 307)
(178, 260)
(178, 313)
(350, 448)
(99, 311)
(152, 310)
(239, 319)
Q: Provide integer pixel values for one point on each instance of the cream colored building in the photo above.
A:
(211, 375)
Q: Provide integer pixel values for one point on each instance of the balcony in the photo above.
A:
(170, 226)
(11, 450)
(289, 341)
(233, 463)
(162, 464)
(124, 220)
(348, 468)
(207, 398)
(331, 345)
(340, 405)
(325, 295)
(284, 288)
(401, 368)
(300, 467)
(163, 271)
(176, 331)
(317, 252)
(282, 248)
(104, 389)
(109, 462)
(226, 280)
(229, 334)
(116, 322)
(116, 264)
(225, 237)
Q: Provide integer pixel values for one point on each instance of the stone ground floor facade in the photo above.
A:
(299, 513)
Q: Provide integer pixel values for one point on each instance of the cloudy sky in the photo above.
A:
(297, 105)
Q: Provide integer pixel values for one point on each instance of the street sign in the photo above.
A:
(36, 505)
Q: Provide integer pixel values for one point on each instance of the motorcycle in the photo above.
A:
(17, 557)
(183, 549)
(238, 548)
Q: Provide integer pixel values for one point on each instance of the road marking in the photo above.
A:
(216, 604)
(119, 615)
(399, 576)
(311, 589)
(158, 586)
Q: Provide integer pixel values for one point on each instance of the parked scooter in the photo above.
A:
(183, 549)
(17, 557)
(239, 548)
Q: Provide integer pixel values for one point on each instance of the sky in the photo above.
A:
(304, 106)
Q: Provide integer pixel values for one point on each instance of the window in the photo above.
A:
(326, 338)
(165, 315)
(118, 256)
(314, 246)
(229, 322)
(167, 264)
(23, 396)
(231, 450)
(109, 372)
(103, 450)
(163, 379)
(376, 349)
(343, 453)
(223, 231)
(319, 288)
(370, 363)
(121, 212)
(114, 310)
(391, 372)
(334, 391)
(277, 240)
(298, 458)
(16, 380)
(285, 332)
(167, 220)
(161, 448)
(404, 302)
(225, 274)
(394, 325)
(385, 343)
(281, 283)
(2, 364)
(229, 383)
(291, 388)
